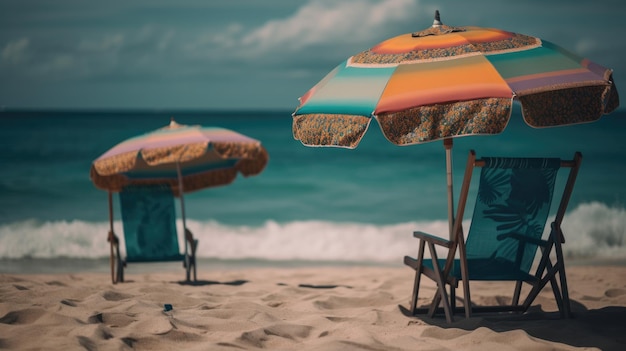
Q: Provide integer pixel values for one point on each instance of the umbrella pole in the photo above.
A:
(182, 203)
(111, 258)
(187, 242)
(447, 144)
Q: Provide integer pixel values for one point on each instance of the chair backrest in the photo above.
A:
(149, 219)
(512, 206)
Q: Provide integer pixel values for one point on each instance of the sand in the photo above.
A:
(305, 308)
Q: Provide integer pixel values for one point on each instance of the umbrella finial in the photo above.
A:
(173, 123)
(437, 21)
(437, 28)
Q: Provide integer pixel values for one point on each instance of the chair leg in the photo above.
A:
(195, 247)
(452, 297)
(543, 274)
(566, 311)
(516, 293)
(561, 294)
(121, 264)
(467, 299)
(539, 285)
(558, 296)
(190, 255)
(416, 286)
(442, 295)
(418, 276)
(552, 270)
(187, 265)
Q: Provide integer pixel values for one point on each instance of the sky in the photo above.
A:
(246, 54)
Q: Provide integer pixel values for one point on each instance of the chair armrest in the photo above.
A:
(411, 262)
(112, 238)
(524, 238)
(189, 236)
(193, 243)
(432, 239)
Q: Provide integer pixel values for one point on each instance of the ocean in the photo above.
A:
(310, 205)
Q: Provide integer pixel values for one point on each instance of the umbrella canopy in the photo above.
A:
(193, 157)
(444, 82)
(448, 81)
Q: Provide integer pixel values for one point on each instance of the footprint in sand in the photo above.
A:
(615, 292)
(154, 326)
(69, 302)
(262, 336)
(56, 283)
(111, 319)
(129, 341)
(338, 319)
(339, 302)
(115, 296)
(103, 333)
(87, 343)
(26, 316)
(590, 298)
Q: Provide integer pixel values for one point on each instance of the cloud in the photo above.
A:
(288, 45)
(319, 33)
(108, 43)
(313, 38)
(58, 63)
(15, 51)
(323, 22)
(586, 45)
(135, 52)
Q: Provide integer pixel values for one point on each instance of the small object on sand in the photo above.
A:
(167, 307)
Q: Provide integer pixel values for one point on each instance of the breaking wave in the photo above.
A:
(592, 231)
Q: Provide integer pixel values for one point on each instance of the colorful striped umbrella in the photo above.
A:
(188, 158)
(445, 82)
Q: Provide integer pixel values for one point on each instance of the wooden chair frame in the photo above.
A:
(118, 263)
(546, 272)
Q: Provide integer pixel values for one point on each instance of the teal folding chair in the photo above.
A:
(512, 206)
(149, 222)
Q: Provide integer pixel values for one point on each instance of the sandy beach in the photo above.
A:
(305, 308)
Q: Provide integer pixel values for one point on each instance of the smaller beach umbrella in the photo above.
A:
(444, 82)
(188, 158)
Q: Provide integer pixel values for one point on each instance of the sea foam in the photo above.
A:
(592, 231)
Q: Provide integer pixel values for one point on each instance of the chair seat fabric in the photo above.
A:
(511, 210)
(149, 220)
(486, 270)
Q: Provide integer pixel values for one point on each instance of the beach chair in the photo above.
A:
(513, 202)
(149, 222)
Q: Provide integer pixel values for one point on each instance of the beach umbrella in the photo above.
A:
(444, 82)
(187, 158)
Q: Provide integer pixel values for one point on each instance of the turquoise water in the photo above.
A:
(308, 204)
